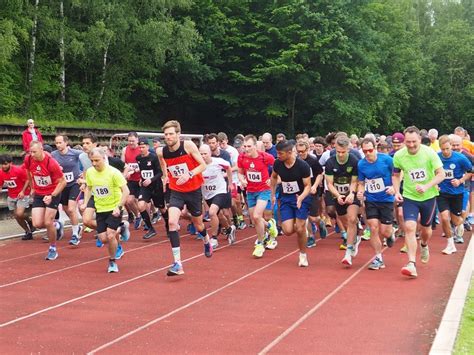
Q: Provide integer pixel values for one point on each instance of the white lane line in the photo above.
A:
(187, 305)
(308, 314)
(47, 309)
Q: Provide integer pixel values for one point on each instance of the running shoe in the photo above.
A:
(450, 249)
(98, 243)
(355, 250)
(27, 236)
(271, 243)
(311, 243)
(87, 230)
(366, 234)
(52, 254)
(377, 264)
(470, 220)
(119, 253)
(131, 217)
(337, 229)
(425, 254)
(390, 241)
(191, 229)
(258, 250)
(359, 225)
(146, 228)
(343, 245)
(458, 240)
(231, 236)
(206, 218)
(112, 267)
(323, 231)
(137, 223)
(241, 225)
(155, 218)
(409, 270)
(404, 249)
(175, 269)
(459, 230)
(208, 250)
(272, 228)
(74, 240)
(150, 234)
(347, 260)
(314, 228)
(303, 260)
(59, 230)
(124, 231)
(467, 226)
(214, 243)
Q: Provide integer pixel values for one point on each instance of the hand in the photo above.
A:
(82, 207)
(360, 195)
(390, 190)
(299, 202)
(314, 189)
(47, 199)
(421, 189)
(183, 179)
(349, 199)
(146, 182)
(21, 195)
(82, 187)
(398, 197)
(243, 184)
(455, 182)
(273, 200)
(340, 199)
(116, 212)
(268, 182)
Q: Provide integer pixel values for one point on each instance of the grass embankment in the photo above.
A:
(465, 339)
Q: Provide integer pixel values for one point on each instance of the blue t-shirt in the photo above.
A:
(455, 167)
(70, 164)
(377, 176)
(272, 151)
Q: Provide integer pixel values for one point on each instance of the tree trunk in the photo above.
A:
(62, 78)
(104, 71)
(31, 63)
(290, 128)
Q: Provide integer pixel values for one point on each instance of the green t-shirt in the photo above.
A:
(106, 187)
(418, 169)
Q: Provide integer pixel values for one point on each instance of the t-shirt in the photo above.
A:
(106, 187)
(342, 173)
(256, 170)
(69, 163)
(45, 174)
(149, 168)
(214, 182)
(223, 155)
(417, 169)
(454, 167)
(234, 156)
(14, 179)
(316, 168)
(377, 176)
(435, 146)
(272, 151)
(292, 177)
(131, 155)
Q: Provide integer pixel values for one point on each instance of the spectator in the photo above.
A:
(30, 134)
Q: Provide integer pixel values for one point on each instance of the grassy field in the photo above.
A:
(465, 338)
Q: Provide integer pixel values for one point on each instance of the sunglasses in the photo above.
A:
(368, 150)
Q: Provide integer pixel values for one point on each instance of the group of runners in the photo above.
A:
(395, 185)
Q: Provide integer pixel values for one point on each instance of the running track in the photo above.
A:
(230, 303)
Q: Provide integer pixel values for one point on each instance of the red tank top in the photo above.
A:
(131, 159)
(178, 163)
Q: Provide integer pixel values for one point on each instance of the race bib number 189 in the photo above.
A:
(101, 191)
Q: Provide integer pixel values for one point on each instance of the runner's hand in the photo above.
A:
(360, 195)
(421, 189)
(299, 202)
(455, 182)
(390, 190)
(349, 199)
(146, 182)
(340, 199)
(21, 195)
(398, 197)
(183, 179)
(313, 189)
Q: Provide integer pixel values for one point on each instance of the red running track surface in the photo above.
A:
(230, 303)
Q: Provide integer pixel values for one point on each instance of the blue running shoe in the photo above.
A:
(125, 231)
(208, 249)
(377, 264)
(175, 270)
(98, 243)
(112, 267)
(137, 223)
(311, 243)
(206, 217)
(59, 230)
(74, 240)
(470, 220)
(146, 228)
(323, 231)
(337, 229)
(192, 229)
(314, 228)
(52, 254)
(119, 253)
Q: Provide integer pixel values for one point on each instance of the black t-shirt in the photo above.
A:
(292, 178)
(149, 167)
(316, 168)
(116, 163)
(342, 173)
(223, 154)
(352, 151)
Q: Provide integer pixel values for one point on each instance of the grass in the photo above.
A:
(465, 339)
(18, 120)
(4, 150)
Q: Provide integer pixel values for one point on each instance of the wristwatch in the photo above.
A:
(120, 208)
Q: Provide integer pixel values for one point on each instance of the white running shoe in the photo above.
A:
(303, 261)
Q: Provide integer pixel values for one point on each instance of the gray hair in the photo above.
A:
(97, 150)
(343, 141)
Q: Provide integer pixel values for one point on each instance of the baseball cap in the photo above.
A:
(143, 140)
(398, 137)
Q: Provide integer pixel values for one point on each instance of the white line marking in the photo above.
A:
(44, 310)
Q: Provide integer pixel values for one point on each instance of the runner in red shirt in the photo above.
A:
(254, 175)
(47, 180)
(132, 174)
(16, 180)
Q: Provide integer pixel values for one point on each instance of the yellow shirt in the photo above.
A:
(435, 146)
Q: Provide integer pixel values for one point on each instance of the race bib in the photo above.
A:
(342, 189)
(210, 187)
(133, 166)
(449, 174)
(290, 187)
(69, 177)
(147, 174)
(254, 176)
(11, 184)
(101, 191)
(417, 175)
(374, 185)
(43, 181)
(177, 170)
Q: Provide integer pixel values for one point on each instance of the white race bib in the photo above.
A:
(210, 188)
(374, 185)
(133, 166)
(147, 174)
(342, 189)
(69, 177)
(290, 187)
(101, 191)
(449, 174)
(11, 184)
(417, 175)
(254, 176)
(177, 170)
(43, 181)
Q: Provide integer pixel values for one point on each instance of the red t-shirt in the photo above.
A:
(45, 174)
(256, 170)
(131, 159)
(15, 179)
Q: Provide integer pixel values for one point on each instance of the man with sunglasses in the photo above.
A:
(375, 183)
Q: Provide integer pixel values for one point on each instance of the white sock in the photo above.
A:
(177, 254)
(379, 256)
(75, 230)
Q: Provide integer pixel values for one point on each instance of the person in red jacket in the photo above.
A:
(30, 134)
